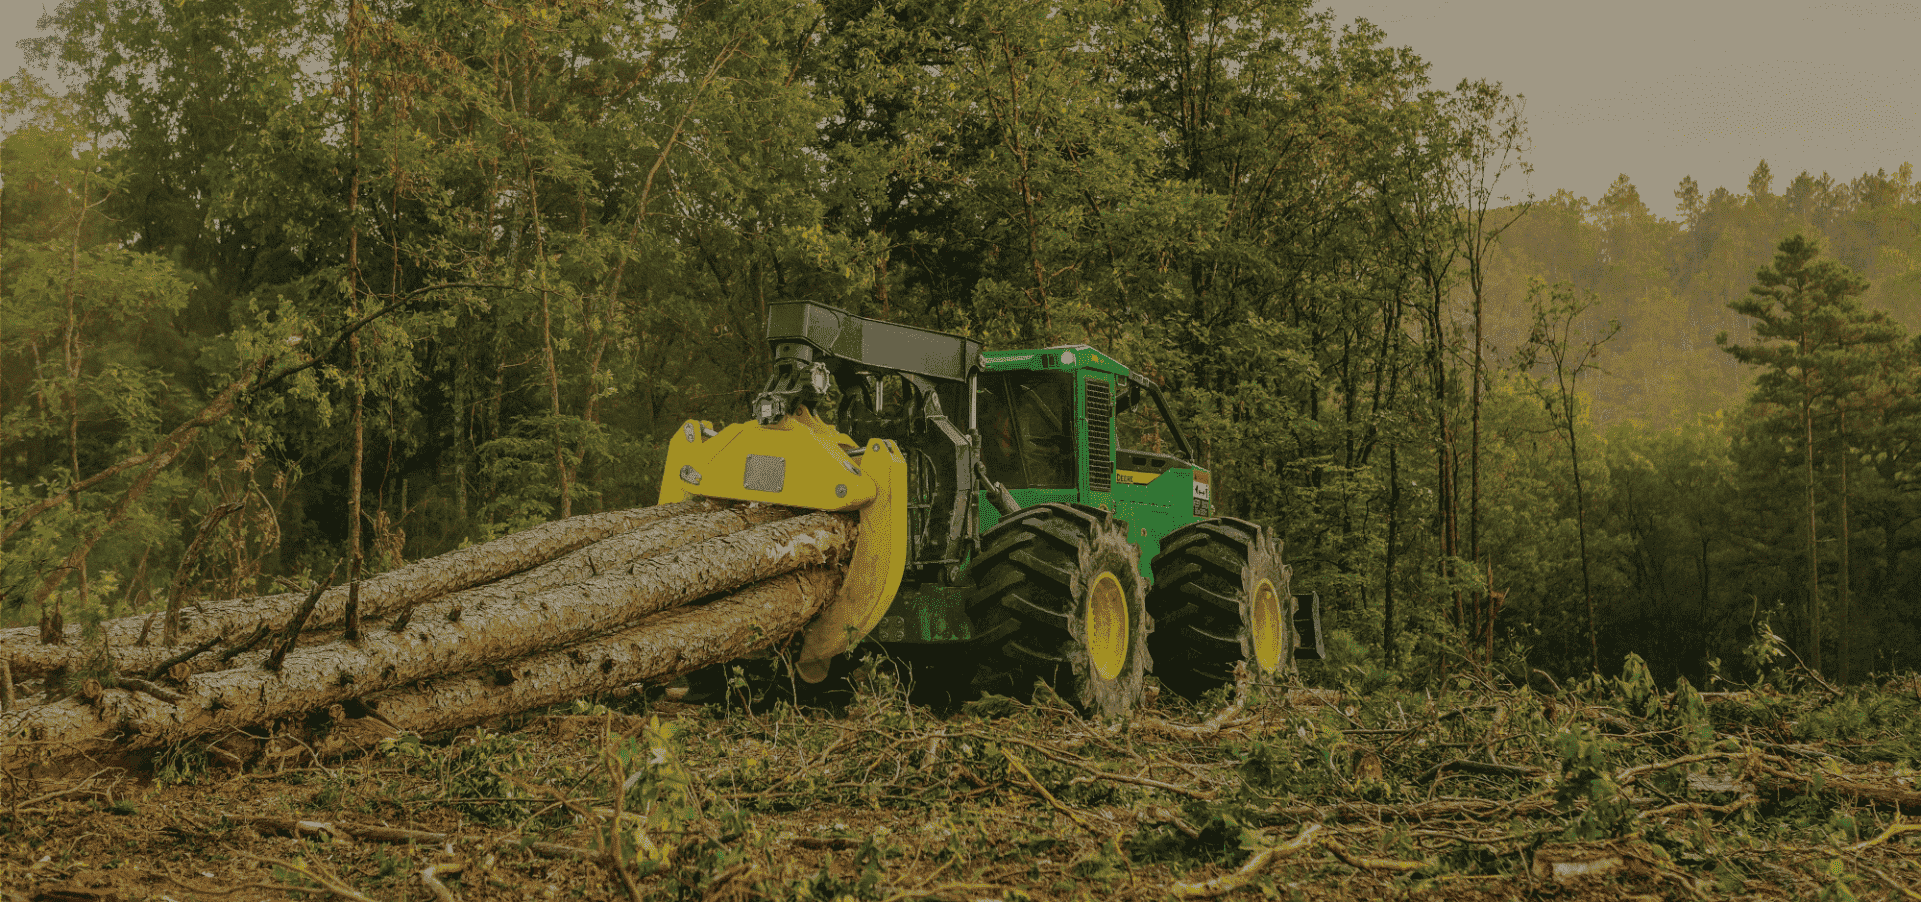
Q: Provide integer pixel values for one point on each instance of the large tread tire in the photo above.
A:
(1034, 580)
(1207, 579)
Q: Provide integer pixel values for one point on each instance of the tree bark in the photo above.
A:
(380, 596)
(358, 465)
(463, 639)
(611, 555)
(655, 650)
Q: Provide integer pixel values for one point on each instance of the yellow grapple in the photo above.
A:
(802, 462)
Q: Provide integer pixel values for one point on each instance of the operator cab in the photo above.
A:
(1033, 406)
(1026, 420)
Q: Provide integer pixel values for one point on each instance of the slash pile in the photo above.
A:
(565, 610)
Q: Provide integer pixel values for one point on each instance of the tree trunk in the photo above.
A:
(384, 594)
(462, 639)
(655, 650)
(72, 356)
(358, 464)
(1390, 634)
(1580, 529)
(1847, 608)
(1814, 566)
(611, 555)
(1587, 582)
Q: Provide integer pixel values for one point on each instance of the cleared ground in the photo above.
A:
(1604, 790)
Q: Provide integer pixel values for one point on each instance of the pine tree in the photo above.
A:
(1813, 337)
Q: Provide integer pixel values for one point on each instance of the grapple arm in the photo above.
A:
(816, 345)
(787, 456)
(802, 462)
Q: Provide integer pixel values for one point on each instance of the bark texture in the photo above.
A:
(380, 596)
(616, 554)
(657, 649)
(453, 637)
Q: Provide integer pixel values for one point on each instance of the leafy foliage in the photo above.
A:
(485, 259)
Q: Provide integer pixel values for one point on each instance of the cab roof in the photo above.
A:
(1058, 357)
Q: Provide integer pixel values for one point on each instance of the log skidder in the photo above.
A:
(1005, 526)
(1059, 599)
(1221, 595)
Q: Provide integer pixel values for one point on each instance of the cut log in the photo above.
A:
(611, 555)
(380, 596)
(489, 633)
(619, 554)
(655, 650)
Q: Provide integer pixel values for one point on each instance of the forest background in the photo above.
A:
(294, 284)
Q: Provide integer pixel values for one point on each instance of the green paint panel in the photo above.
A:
(1151, 493)
(1155, 509)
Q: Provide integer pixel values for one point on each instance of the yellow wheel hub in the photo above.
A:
(1107, 626)
(1268, 627)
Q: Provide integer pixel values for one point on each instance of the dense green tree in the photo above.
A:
(1813, 340)
(83, 320)
(1669, 503)
(1670, 282)
(1567, 347)
(392, 275)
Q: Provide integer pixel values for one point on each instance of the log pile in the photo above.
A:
(559, 612)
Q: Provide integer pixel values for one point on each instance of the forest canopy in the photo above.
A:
(288, 284)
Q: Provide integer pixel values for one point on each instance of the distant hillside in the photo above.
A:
(1669, 280)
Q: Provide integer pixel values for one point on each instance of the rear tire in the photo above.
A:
(1059, 599)
(1221, 596)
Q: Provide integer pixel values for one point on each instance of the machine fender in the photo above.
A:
(875, 570)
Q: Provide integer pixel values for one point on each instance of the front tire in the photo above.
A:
(1221, 595)
(1059, 599)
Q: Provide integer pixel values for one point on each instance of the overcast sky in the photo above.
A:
(1657, 89)
(17, 18)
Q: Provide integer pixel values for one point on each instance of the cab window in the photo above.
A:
(1027, 429)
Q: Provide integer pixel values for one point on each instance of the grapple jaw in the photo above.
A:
(799, 461)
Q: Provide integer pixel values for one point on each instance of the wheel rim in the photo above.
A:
(1264, 617)
(1107, 627)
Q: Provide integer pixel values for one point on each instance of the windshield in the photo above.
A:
(1026, 425)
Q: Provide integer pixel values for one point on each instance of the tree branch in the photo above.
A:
(341, 338)
(219, 407)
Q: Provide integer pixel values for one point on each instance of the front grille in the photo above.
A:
(1100, 436)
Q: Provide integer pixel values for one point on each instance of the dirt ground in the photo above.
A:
(1275, 795)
